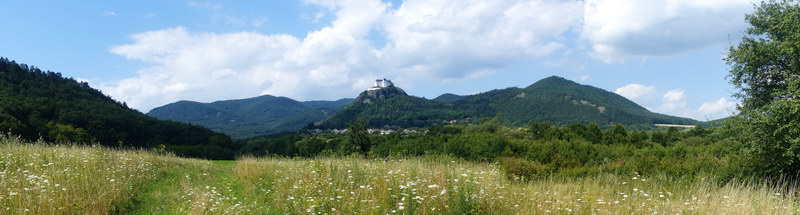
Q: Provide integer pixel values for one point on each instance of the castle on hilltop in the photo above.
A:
(381, 83)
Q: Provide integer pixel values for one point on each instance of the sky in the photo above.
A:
(666, 55)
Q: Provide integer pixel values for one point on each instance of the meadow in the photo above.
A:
(43, 178)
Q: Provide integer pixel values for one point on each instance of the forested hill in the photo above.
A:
(37, 104)
(553, 99)
(561, 101)
(392, 106)
(243, 118)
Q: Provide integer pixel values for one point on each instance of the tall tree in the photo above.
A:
(765, 66)
(359, 136)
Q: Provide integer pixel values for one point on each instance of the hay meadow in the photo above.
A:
(45, 178)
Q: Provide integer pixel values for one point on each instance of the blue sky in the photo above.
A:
(664, 54)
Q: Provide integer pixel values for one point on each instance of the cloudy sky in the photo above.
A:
(663, 54)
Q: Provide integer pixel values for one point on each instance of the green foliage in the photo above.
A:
(575, 150)
(391, 106)
(448, 97)
(244, 118)
(37, 104)
(554, 100)
(66, 133)
(765, 66)
(358, 137)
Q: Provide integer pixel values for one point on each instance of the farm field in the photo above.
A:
(40, 178)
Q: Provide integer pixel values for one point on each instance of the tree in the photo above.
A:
(538, 129)
(359, 136)
(765, 66)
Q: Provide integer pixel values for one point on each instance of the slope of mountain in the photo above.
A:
(36, 104)
(553, 99)
(448, 97)
(561, 101)
(250, 117)
(392, 106)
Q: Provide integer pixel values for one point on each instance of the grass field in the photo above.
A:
(37, 178)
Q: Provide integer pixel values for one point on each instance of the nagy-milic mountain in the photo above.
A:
(553, 99)
(37, 104)
(243, 118)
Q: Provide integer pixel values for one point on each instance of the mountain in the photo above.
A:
(448, 97)
(553, 99)
(36, 104)
(243, 118)
(392, 106)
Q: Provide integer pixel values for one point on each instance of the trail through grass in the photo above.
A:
(49, 179)
(188, 189)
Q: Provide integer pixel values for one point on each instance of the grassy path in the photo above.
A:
(195, 189)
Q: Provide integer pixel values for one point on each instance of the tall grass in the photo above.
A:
(40, 178)
(50, 179)
(415, 186)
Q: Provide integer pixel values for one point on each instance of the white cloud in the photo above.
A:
(674, 101)
(438, 39)
(109, 13)
(150, 15)
(464, 36)
(620, 29)
(716, 109)
(637, 92)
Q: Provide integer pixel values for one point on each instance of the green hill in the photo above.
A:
(391, 106)
(243, 118)
(553, 99)
(560, 101)
(37, 104)
(448, 97)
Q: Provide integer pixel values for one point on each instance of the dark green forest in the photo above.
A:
(244, 118)
(554, 100)
(38, 104)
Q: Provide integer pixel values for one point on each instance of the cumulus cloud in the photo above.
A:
(674, 102)
(109, 13)
(637, 92)
(722, 107)
(436, 39)
(619, 29)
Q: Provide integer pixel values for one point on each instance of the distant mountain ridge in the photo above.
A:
(243, 118)
(553, 99)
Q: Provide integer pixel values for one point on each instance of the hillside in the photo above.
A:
(553, 99)
(448, 97)
(243, 118)
(561, 101)
(37, 104)
(392, 106)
